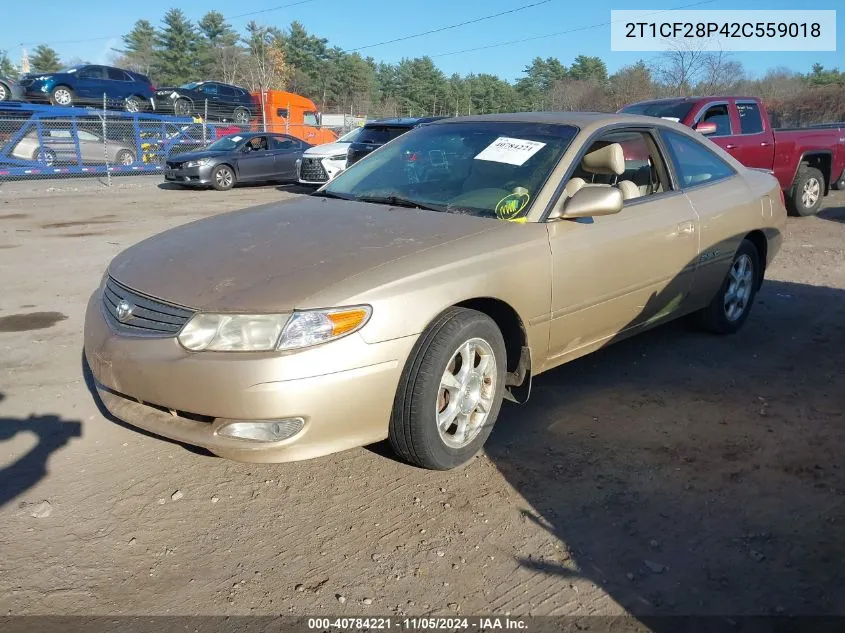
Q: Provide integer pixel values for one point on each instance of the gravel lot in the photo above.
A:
(674, 473)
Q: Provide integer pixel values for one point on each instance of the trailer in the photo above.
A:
(44, 140)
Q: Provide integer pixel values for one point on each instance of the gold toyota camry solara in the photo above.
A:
(433, 279)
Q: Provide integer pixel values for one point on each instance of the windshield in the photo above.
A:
(674, 110)
(190, 85)
(226, 143)
(350, 136)
(491, 169)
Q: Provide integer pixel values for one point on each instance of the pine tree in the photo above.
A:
(138, 53)
(45, 60)
(219, 55)
(176, 55)
(7, 68)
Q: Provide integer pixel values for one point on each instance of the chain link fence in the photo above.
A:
(48, 142)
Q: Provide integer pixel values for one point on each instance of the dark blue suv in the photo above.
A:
(88, 84)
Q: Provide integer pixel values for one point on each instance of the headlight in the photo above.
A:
(313, 327)
(232, 332)
(338, 157)
(202, 162)
(266, 332)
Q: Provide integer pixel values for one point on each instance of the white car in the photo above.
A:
(322, 163)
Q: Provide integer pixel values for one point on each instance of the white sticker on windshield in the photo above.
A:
(513, 151)
(237, 138)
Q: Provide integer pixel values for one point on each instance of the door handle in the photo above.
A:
(686, 228)
(730, 146)
(764, 144)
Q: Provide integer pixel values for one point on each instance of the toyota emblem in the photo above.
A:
(123, 311)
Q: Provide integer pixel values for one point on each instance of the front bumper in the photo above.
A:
(316, 170)
(189, 175)
(343, 390)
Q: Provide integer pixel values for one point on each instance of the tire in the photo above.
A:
(722, 315)
(182, 107)
(62, 96)
(807, 192)
(241, 116)
(133, 104)
(5, 92)
(840, 184)
(219, 178)
(44, 155)
(423, 397)
(124, 157)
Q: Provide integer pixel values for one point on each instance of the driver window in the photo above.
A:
(718, 114)
(257, 144)
(627, 160)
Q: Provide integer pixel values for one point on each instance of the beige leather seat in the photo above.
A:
(629, 189)
(606, 161)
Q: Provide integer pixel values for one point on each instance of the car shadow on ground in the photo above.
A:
(834, 214)
(52, 431)
(693, 474)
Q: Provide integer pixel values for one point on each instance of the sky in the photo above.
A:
(64, 24)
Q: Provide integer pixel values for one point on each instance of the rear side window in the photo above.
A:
(226, 91)
(694, 163)
(380, 133)
(117, 74)
(750, 119)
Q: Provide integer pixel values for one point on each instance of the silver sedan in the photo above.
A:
(59, 146)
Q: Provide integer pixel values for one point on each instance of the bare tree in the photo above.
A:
(578, 95)
(266, 68)
(681, 67)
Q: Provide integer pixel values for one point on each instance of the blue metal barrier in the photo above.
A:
(149, 138)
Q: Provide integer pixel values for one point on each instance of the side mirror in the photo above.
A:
(589, 202)
(706, 128)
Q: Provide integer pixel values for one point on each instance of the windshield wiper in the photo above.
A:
(330, 194)
(398, 201)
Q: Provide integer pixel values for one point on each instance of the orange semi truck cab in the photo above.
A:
(293, 114)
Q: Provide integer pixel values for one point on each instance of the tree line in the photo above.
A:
(269, 57)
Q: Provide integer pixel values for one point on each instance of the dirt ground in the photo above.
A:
(674, 473)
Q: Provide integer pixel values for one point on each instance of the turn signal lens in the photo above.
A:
(312, 327)
(346, 321)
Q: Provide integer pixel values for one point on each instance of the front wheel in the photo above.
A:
(450, 392)
(222, 178)
(182, 107)
(125, 157)
(44, 155)
(807, 192)
(62, 96)
(732, 304)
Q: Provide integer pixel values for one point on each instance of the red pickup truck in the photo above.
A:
(806, 161)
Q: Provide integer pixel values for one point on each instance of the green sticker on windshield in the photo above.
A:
(512, 204)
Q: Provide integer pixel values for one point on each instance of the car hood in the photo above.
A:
(274, 257)
(186, 156)
(326, 149)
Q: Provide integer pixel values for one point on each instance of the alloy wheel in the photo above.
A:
(241, 116)
(811, 192)
(466, 394)
(3, 93)
(224, 177)
(740, 285)
(62, 96)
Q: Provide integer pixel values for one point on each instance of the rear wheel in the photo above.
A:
(44, 155)
(450, 392)
(222, 178)
(807, 192)
(62, 96)
(732, 304)
(241, 116)
(5, 92)
(125, 157)
(133, 104)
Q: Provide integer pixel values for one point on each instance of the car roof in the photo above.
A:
(403, 121)
(578, 119)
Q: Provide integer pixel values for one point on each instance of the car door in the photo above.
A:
(117, 85)
(255, 161)
(89, 85)
(614, 274)
(286, 150)
(753, 144)
(91, 147)
(209, 94)
(719, 196)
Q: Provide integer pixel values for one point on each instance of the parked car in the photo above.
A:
(58, 146)
(806, 161)
(321, 163)
(225, 101)
(376, 133)
(10, 90)
(382, 308)
(86, 84)
(253, 156)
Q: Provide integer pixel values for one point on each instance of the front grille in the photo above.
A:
(173, 165)
(147, 316)
(312, 170)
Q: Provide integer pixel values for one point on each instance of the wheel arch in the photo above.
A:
(507, 319)
(818, 159)
(758, 238)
